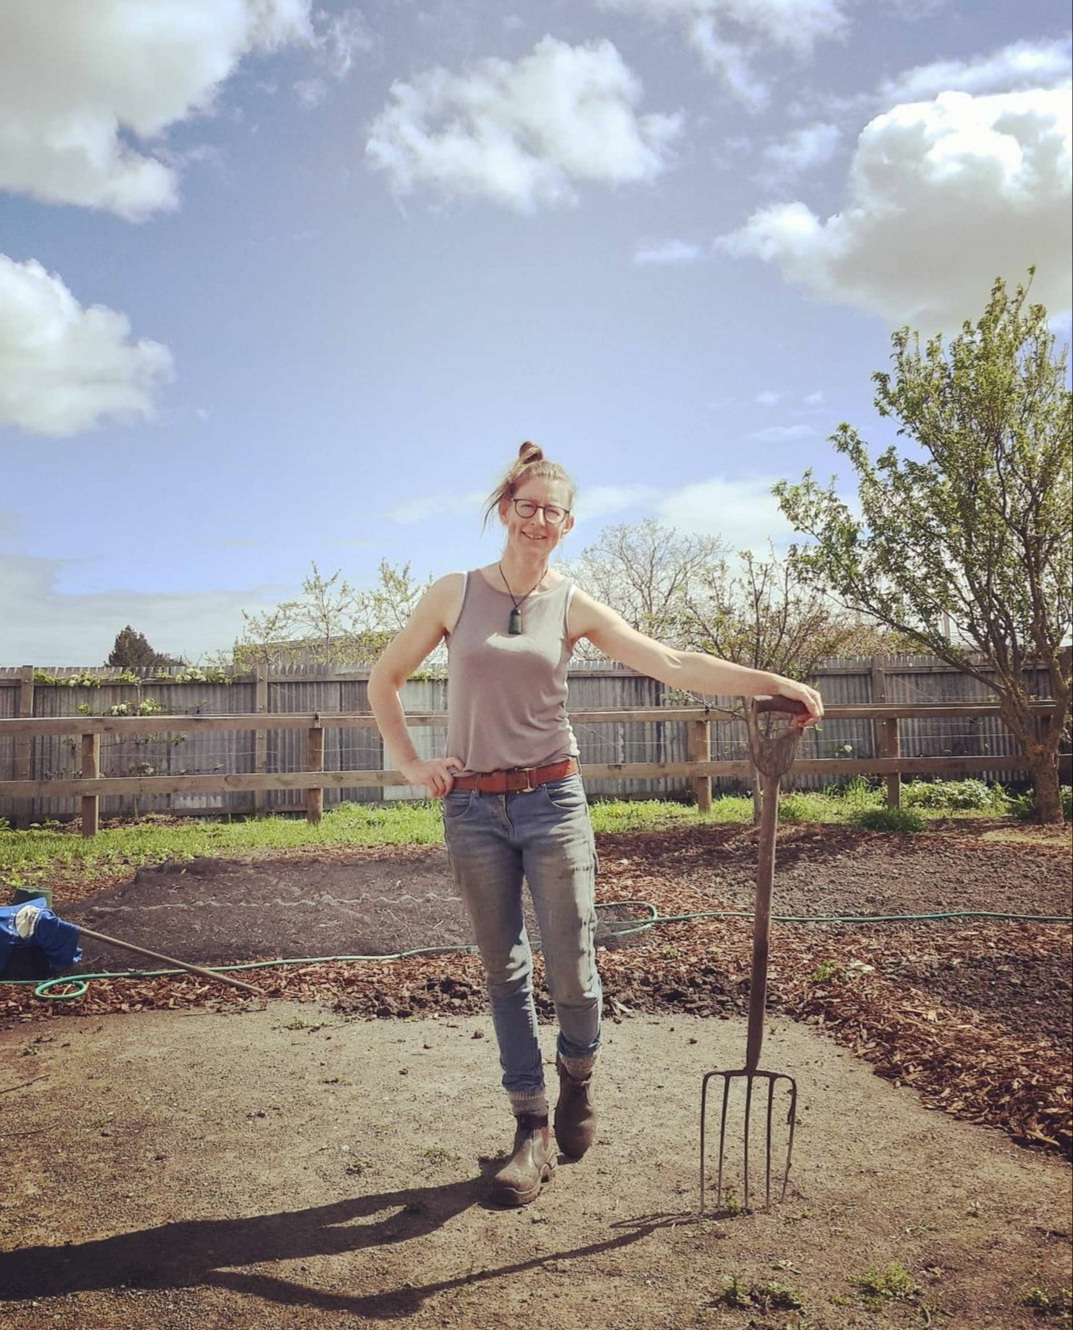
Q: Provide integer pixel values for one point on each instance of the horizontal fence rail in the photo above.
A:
(693, 763)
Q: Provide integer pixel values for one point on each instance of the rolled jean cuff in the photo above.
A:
(534, 1102)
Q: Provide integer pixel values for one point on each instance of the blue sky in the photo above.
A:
(284, 282)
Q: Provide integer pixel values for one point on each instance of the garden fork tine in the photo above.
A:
(773, 746)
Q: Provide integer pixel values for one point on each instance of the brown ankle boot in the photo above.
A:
(575, 1117)
(531, 1163)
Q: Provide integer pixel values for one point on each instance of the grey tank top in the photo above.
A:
(506, 695)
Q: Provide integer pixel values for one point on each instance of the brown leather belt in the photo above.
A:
(520, 778)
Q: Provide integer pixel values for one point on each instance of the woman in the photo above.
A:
(514, 804)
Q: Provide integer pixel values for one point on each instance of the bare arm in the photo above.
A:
(693, 671)
(434, 617)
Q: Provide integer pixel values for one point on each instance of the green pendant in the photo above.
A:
(514, 624)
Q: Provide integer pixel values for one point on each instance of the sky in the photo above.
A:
(285, 282)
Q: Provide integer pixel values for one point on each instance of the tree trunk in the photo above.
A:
(1039, 748)
(1047, 799)
(1042, 759)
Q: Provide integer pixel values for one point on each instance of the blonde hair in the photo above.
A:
(529, 463)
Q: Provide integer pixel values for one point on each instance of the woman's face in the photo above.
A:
(536, 533)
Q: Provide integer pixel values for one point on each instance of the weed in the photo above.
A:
(889, 819)
(1058, 1304)
(734, 1293)
(878, 1286)
(828, 972)
(775, 1297)
(858, 792)
(767, 1296)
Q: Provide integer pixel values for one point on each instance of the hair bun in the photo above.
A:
(530, 452)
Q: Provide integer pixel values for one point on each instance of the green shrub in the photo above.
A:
(955, 794)
(1022, 806)
(889, 819)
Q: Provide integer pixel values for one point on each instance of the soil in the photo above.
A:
(180, 1156)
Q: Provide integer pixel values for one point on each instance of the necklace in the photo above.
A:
(514, 623)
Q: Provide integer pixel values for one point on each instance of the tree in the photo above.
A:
(683, 590)
(131, 650)
(963, 544)
(767, 614)
(644, 572)
(332, 622)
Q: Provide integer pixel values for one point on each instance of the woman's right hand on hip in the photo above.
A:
(436, 775)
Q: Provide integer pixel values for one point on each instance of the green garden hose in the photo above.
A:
(79, 982)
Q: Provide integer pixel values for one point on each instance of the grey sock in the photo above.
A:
(529, 1101)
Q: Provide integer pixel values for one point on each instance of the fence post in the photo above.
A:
(24, 743)
(315, 762)
(260, 737)
(699, 749)
(890, 746)
(91, 770)
(879, 679)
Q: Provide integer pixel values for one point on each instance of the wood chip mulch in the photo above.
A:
(957, 1060)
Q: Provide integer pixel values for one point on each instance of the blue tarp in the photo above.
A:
(56, 938)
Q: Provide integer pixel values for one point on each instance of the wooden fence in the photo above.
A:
(698, 767)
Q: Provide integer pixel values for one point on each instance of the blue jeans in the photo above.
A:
(544, 836)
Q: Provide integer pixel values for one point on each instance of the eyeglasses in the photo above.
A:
(553, 514)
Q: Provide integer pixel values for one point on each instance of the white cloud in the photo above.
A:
(769, 397)
(814, 399)
(78, 82)
(522, 133)
(602, 500)
(419, 509)
(1020, 66)
(731, 35)
(311, 92)
(802, 150)
(338, 38)
(39, 625)
(64, 367)
(915, 10)
(335, 41)
(781, 433)
(743, 512)
(944, 196)
(668, 253)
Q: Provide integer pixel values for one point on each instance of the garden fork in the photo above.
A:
(774, 732)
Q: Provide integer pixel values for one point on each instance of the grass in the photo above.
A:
(50, 850)
(26, 856)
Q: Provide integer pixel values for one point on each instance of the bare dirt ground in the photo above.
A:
(179, 1157)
